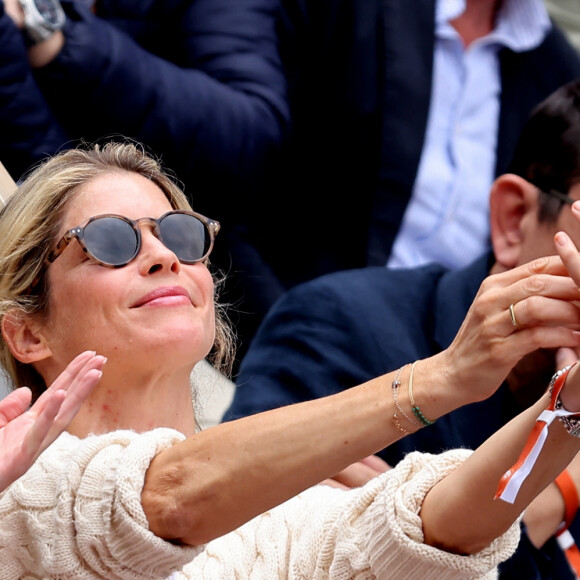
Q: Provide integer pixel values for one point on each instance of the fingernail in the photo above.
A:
(561, 238)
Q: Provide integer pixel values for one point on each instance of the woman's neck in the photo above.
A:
(141, 406)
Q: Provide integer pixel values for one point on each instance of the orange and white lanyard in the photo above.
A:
(563, 536)
(513, 479)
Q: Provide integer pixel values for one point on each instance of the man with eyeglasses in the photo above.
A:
(403, 113)
(344, 328)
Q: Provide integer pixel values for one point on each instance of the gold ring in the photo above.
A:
(513, 315)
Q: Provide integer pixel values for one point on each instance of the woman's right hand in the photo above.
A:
(25, 434)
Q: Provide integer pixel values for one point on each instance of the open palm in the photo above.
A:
(24, 434)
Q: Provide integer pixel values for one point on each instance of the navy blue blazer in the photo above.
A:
(28, 128)
(199, 82)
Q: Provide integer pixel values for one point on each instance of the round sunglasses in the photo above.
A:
(115, 240)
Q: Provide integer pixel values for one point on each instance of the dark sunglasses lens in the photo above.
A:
(185, 235)
(111, 240)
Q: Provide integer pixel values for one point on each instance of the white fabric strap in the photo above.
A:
(518, 477)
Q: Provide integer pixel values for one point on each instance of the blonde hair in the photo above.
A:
(31, 220)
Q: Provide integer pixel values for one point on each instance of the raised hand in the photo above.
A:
(24, 434)
(493, 339)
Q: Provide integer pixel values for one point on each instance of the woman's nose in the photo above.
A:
(155, 256)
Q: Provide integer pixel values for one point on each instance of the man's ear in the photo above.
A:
(24, 338)
(513, 201)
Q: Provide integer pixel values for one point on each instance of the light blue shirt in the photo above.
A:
(447, 219)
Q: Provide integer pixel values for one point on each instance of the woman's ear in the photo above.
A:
(24, 338)
(513, 204)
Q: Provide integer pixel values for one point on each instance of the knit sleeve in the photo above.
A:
(398, 549)
(370, 532)
(77, 512)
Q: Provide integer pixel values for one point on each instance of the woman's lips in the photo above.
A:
(165, 295)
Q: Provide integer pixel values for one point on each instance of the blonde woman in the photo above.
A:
(102, 254)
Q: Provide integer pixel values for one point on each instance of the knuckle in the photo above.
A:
(530, 312)
(536, 283)
(536, 336)
(488, 297)
(527, 310)
(538, 265)
(487, 282)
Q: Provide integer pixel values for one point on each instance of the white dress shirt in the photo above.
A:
(447, 219)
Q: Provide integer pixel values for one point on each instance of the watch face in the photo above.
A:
(49, 10)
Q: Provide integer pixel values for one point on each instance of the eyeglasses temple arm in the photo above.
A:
(60, 247)
(561, 196)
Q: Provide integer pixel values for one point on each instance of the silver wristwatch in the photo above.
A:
(42, 18)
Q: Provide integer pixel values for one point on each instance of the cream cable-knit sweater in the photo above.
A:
(76, 514)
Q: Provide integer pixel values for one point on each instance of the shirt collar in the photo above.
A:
(448, 10)
(521, 24)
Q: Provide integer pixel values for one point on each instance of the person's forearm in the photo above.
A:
(38, 54)
(240, 111)
(543, 516)
(460, 513)
(220, 478)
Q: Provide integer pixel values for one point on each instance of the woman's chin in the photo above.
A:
(181, 342)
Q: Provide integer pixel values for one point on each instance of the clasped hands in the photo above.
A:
(543, 296)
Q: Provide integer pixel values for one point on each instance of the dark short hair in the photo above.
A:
(548, 150)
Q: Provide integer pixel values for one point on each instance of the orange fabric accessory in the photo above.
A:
(563, 536)
(570, 549)
(513, 479)
(567, 488)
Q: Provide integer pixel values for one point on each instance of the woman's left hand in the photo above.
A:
(516, 312)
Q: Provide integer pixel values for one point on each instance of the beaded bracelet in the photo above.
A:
(416, 410)
(395, 385)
